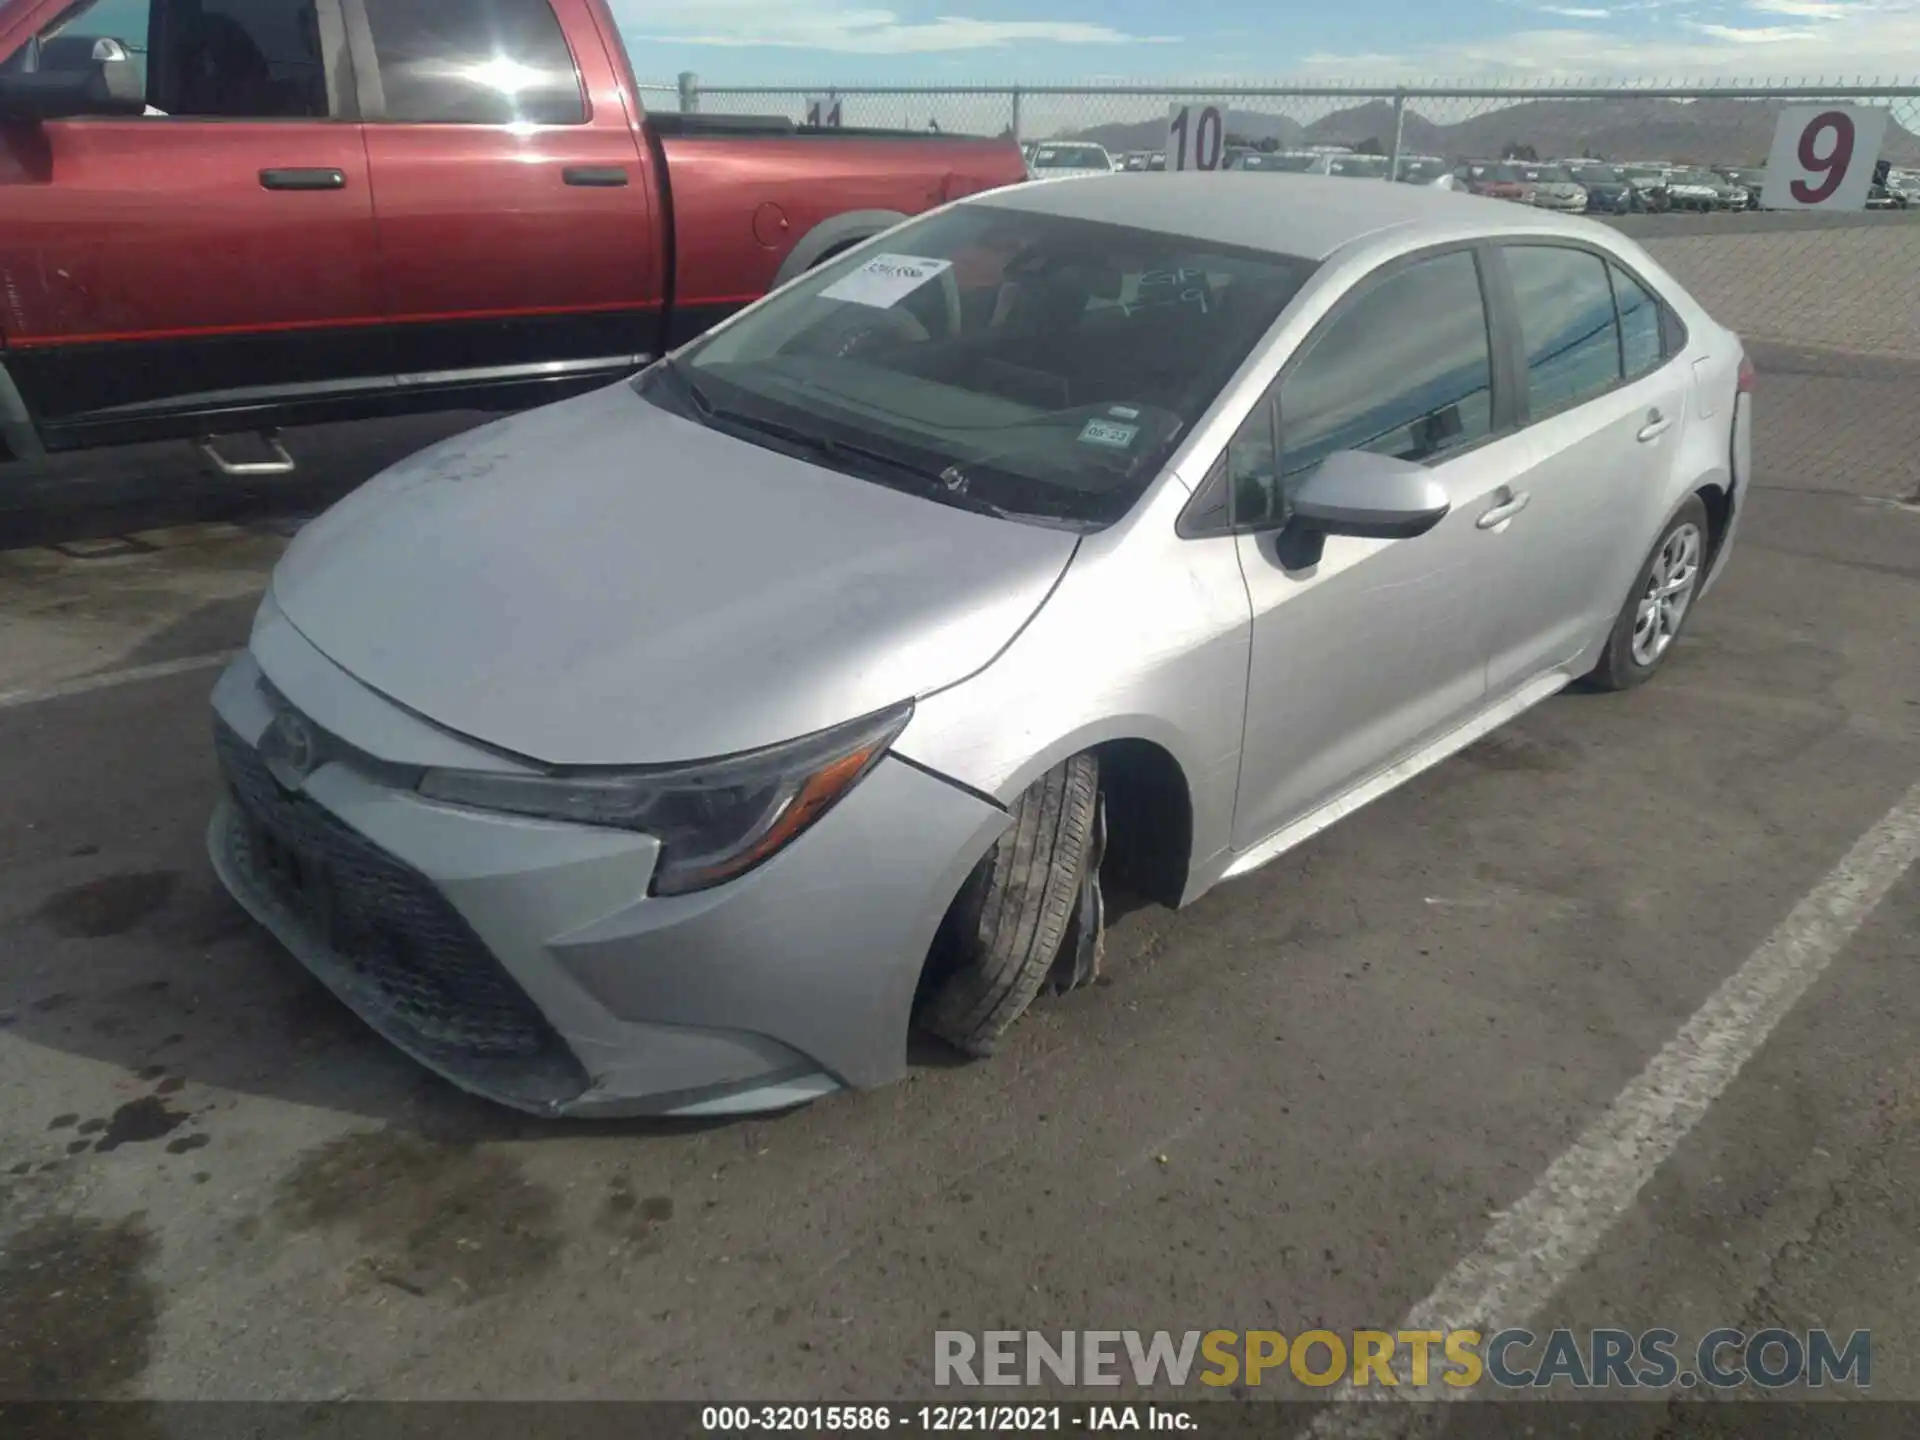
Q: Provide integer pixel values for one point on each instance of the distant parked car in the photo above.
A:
(1609, 191)
(1494, 179)
(1057, 161)
(1882, 194)
(1420, 169)
(1649, 184)
(1554, 188)
(1358, 167)
(1287, 162)
(1703, 190)
(1750, 178)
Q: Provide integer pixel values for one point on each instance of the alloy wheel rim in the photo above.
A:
(1663, 605)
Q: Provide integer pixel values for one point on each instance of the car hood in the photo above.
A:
(601, 582)
(1564, 188)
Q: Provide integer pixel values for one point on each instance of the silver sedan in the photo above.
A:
(678, 747)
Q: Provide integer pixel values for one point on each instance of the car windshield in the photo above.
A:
(991, 358)
(1372, 166)
(1697, 177)
(1746, 177)
(1644, 176)
(1503, 173)
(1599, 174)
(1070, 157)
(1418, 171)
(1259, 160)
(1550, 175)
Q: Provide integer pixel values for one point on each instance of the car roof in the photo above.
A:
(1309, 216)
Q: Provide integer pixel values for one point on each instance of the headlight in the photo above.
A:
(714, 819)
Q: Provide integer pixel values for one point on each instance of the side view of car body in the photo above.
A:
(674, 747)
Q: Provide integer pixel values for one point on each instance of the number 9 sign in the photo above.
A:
(1823, 157)
(1196, 137)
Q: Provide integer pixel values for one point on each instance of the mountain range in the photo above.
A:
(1706, 132)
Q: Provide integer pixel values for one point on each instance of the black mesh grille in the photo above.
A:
(399, 952)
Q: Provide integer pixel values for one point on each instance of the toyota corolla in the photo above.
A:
(679, 747)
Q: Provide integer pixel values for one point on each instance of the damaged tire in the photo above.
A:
(1029, 912)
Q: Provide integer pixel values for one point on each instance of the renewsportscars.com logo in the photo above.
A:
(1512, 1359)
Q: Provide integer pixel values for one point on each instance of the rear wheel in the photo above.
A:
(1658, 604)
(1008, 925)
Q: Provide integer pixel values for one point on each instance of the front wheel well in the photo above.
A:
(1149, 819)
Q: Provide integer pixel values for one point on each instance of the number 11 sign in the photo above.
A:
(1823, 157)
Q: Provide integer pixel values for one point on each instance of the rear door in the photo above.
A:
(1605, 408)
(215, 254)
(515, 204)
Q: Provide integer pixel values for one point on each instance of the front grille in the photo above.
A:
(389, 943)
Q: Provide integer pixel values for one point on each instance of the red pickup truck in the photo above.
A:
(222, 216)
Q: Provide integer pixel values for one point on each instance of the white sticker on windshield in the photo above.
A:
(885, 280)
(1105, 432)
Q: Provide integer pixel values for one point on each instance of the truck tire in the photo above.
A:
(1005, 929)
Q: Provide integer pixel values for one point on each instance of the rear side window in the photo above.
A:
(1405, 370)
(1567, 324)
(474, 62)
(1642, 346)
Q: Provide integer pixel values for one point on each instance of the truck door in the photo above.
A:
(519, 230)
(212, 258)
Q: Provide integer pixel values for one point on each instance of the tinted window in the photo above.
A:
(1566, 322)
(474, 62)
(1036, 363)
(1404, 371)
(1640, 341)
(236, 59)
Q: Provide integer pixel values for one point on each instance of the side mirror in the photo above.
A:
(1356, 492)
(109, 84)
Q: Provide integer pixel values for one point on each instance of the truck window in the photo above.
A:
(235, 59)
(475, 62)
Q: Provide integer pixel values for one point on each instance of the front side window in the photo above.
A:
(991, 357)
(1405, 370)
(215, 59)
(474, 62)
(1566, 316)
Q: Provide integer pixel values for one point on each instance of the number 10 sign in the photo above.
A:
(1196, 137)
(1823, 157)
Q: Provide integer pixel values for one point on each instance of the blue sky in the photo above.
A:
(908, 41)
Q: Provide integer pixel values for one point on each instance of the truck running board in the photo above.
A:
(280, 464)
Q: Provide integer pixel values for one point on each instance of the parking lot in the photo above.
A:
(1306, 1101)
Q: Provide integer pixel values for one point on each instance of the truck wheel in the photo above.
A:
(1005, 929)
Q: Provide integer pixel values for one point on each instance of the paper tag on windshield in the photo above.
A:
(885, 280)
(1106, 432)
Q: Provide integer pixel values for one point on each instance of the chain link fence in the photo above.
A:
(1837, 283)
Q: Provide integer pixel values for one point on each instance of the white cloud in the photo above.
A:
(1573, 12)
(1804, 9)
(821, 25)
(1751, 35)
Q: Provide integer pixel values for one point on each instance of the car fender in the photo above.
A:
(837, 232)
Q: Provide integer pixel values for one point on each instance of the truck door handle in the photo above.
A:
(1510, 505)
(1656, 426)
(599, 177)
(297, 179)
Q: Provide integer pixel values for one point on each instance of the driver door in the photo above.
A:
(213, 256)
(1379, 646)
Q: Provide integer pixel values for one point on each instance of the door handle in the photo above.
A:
(599, 177)
(1656, 426)
(299, 179)
(1503, 510)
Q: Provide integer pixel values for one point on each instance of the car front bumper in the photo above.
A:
(525, 961)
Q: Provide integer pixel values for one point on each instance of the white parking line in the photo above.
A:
(107, 680)
(1535, 1247)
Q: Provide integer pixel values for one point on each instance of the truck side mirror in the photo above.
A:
(109, 84)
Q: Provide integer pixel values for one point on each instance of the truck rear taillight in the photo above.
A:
(1748, 376)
